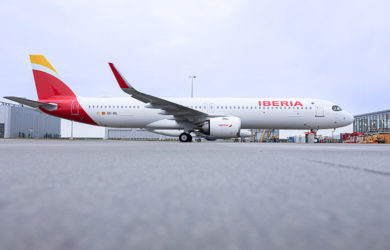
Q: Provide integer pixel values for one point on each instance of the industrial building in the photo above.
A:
(372, 123)
(370, 128)
(134, 134)
(18, 121)
(264, 135)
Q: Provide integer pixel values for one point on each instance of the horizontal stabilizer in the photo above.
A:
(31, 103)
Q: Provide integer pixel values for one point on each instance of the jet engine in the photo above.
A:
(222, 127)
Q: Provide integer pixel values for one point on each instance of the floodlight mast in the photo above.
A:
(192, 84)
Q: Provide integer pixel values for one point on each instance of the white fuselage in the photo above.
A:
(279, 113)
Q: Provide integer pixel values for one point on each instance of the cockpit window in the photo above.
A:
(336, 108)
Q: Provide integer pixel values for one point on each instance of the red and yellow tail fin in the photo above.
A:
(47, 79)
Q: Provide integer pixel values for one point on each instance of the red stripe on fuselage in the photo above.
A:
(65, 110)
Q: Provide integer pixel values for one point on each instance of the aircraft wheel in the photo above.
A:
(189, 138)
(184, 137)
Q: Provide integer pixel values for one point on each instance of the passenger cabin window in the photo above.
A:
(336, 108)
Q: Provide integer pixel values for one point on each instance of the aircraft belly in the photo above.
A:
(129, 121)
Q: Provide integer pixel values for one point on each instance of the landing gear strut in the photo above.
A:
(185, 137)
(314, 131)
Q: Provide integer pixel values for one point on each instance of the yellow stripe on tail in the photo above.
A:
(41, 60)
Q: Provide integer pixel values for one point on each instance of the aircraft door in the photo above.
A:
(74, 109)
(319, 107)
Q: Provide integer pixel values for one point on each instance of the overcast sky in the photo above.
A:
(333, 50)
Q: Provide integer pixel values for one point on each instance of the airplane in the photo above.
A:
(213, 118)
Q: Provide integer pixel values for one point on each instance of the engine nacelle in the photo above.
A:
(222, 127)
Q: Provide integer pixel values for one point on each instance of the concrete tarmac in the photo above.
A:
(169, 195)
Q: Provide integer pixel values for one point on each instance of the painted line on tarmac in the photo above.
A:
(371, 171)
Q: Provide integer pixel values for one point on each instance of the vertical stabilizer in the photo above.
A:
(47, 80)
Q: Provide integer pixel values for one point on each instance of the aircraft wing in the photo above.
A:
(168, 107)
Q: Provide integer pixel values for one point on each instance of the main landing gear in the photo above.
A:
(185, 137)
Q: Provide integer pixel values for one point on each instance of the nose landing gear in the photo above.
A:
(185, 137)
(314, 131)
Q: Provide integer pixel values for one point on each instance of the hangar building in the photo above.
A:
(372, 123)
(19, 121)
(264, 135)
(134, 134)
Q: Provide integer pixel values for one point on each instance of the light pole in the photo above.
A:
(192, 84)
(71, 130)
